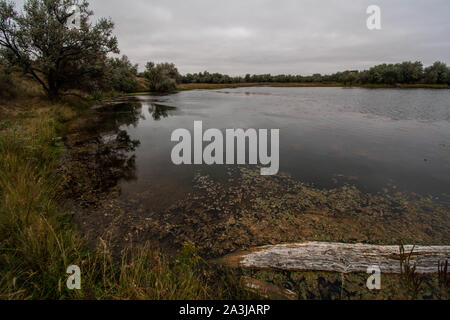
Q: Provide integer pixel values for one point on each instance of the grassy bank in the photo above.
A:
(210, 86)
(38, 241)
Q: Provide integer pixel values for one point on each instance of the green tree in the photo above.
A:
(384, 74)
(40, 42)
(438, 73)
(121, 74)
(162, 77)
(410, 72)
(317, 77)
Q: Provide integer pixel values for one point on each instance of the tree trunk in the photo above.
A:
(53, 87)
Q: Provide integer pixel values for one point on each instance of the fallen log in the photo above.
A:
(338, 257)
(268, 290)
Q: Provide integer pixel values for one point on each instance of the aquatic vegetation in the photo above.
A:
(246, 209)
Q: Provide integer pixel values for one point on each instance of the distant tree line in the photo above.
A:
(389, 74)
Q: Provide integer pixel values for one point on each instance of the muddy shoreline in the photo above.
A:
(220, 217)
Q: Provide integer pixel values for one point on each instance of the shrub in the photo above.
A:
(162, 77)
(121, 75)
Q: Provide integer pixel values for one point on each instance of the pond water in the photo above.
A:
(375, 139)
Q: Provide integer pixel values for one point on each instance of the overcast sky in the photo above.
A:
(283, 36)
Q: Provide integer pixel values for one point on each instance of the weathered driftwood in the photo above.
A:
(268, 290)
(338, 257)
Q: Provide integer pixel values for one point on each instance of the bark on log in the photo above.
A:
(338, 257)
(268, 290)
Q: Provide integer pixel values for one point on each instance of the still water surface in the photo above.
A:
(373, 138)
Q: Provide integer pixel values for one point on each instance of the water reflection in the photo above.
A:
(121, 112)
(101, 151)
(159, 111)
(329, 136)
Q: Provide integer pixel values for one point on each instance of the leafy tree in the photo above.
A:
(120, 74)
(162, 77)
(188, 78)
(317, 77)
(410, 72)
(383, 74)
(58, 57)
(363, 77)
(438, 73)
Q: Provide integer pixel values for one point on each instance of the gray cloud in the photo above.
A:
(269, 36)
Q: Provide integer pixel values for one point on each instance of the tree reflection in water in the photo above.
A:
(159, 111)
(100, 154)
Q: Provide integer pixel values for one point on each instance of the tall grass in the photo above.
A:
(38, 241)
(32, 248)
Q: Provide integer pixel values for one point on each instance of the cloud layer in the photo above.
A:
(273, 36)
